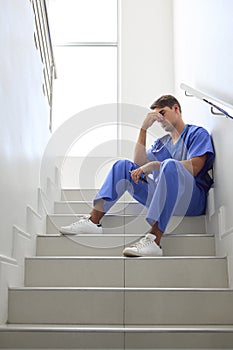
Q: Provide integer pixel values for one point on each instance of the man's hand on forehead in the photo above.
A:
(153, 116)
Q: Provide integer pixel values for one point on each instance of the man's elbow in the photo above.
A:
(140, 161)
(195, 171)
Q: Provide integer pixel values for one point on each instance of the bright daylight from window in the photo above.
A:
(84, 35)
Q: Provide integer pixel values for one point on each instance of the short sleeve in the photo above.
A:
(200, 143)
(149, 153)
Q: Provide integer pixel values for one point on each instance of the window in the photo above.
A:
(84, 34)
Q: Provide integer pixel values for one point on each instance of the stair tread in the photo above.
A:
(116, 328)
(106, 215)
(53, 336)
(193, 218)
(55, 235)
(68, 257)
(125, 289)
(90, 202)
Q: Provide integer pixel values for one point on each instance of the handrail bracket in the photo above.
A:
(191, 92)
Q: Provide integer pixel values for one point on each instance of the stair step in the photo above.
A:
(117, 337)
(130, 223)
(208, 272)
(119, 208)
(121, 306)
(112, 245)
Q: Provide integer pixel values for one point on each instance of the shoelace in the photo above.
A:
(83, 219)
(144, 241)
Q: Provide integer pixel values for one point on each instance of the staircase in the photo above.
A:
(81, 293)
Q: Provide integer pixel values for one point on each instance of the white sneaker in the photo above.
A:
(84, 225)
(145, 247)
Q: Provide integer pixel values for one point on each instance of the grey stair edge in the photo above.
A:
(97, 257)
(198, 217)
(202, 235)
(106, 215)
(116, 328)
(124, 289)
(188, 235)
(89, 201)
(78, 189)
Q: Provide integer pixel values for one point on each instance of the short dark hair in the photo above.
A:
(165, 101)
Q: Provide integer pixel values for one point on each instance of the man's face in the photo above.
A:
(170, 117)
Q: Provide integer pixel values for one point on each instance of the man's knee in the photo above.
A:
(169, 165)
(124, 164)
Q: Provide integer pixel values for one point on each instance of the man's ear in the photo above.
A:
(176, 107)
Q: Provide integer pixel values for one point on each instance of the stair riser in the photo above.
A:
(81, 245)
(111, 224)
(86, 195)
(116, 340)
(62, 340)
(106, 245)
(188, 245)
(66, 307)
(118, 307)
(205, 273)
(130, 224)
(119, 208)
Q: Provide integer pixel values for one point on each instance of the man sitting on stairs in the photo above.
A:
(179, 162)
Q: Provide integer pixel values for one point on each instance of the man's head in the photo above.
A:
(165, 101)
(169, 108)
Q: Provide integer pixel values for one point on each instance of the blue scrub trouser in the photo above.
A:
(174, 192)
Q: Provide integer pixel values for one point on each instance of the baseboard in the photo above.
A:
(8, 260)
(224, 231)
(23, 242)
(8, 268)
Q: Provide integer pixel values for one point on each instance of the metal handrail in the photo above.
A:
(44, 44)
(49, 39)
(189, 91)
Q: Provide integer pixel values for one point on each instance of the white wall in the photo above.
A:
(146, 44)
(146, 71)
(24, 133)
(203, 59)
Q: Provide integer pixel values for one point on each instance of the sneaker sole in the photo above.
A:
(137, 255)
(66, 233)
(131, 254)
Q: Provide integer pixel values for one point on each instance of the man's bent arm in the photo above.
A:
(195, 164)
(140, 149)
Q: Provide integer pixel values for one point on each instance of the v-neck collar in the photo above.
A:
(180, 137)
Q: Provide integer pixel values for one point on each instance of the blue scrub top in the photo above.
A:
(194, 141)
